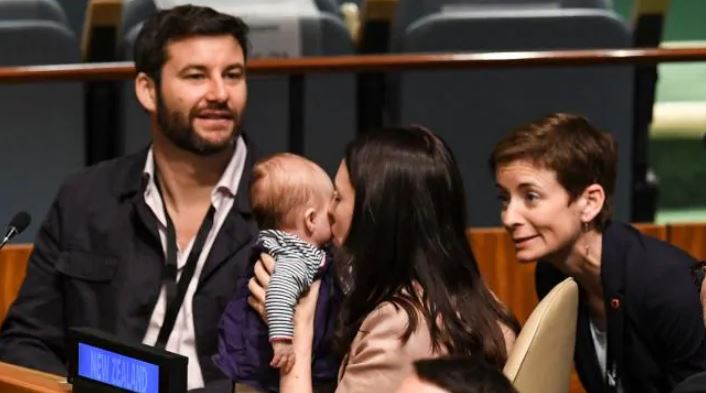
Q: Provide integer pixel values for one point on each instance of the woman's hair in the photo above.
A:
(407, 245)
(569, 145)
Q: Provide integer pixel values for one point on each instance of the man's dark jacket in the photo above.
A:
(655, 331)
(98, 262)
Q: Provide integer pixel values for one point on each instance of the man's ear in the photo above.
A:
(310, 220)
(146, 92)
(594, 198)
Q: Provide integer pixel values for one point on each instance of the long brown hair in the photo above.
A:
(408, 232)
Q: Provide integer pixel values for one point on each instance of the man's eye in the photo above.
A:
(194, 76)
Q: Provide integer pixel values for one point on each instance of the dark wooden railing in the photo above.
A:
(295, 69)
(379, 63)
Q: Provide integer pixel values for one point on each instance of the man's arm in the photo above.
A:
(32, 335)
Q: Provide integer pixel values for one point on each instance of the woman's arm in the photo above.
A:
(298, 379)
(378, 360)
(672, 318)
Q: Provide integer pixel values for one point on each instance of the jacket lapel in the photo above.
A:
(131, 189)
(613, 263)
(238, 230)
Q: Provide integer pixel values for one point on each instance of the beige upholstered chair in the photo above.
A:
(542, 357)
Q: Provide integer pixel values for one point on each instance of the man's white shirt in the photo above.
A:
(182, 339)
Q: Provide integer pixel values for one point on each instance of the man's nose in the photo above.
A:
(217, 90)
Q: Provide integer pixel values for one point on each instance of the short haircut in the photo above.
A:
(280, 186)
(569, 145)
(463, 375)
(167, 26)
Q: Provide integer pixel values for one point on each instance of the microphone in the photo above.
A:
(18, 224)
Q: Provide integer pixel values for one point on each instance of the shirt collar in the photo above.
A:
(228, 183)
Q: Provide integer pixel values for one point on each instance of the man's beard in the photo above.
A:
(180, 131)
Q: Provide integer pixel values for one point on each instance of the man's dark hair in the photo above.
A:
(164, 27)
(463, 375)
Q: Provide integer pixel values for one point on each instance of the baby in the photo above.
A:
(290, 196)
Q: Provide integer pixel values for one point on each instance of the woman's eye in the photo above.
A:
(503, 199)
(532, 196)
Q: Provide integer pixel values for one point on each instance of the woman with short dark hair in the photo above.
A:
(639, 327)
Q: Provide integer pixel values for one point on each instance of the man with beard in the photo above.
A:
(148, 247)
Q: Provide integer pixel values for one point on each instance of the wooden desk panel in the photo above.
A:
(690, 238)
(13, 266)
(15, 379)
(511, 281)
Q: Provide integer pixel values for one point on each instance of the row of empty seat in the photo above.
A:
(42, 124)
(470, 109)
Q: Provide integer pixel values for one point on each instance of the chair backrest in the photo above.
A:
(473, 109)
(75, 13)
(409, 11)
(542, 357)
(48, 10)
(329, 99)
(42, 126)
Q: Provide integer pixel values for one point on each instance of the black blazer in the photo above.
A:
(655, 329)
(98, 262)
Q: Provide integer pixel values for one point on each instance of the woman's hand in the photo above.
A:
(306, 309)
(258, 284)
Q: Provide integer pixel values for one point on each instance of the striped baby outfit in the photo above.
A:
(296, 264)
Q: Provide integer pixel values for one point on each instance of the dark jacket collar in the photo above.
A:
(238, 229)
(133, 184)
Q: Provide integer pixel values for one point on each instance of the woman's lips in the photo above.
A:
(523, 241)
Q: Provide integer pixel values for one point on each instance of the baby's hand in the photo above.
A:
(284, 355)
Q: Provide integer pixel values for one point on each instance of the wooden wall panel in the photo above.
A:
(512, 282)
(654, 230)
(13, 266)
(690, 238)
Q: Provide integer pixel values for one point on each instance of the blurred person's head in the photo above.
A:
(555, 179)
(455, 375)
(291, 193)
(399, 217)
(190, 64)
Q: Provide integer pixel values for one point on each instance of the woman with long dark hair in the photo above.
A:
(412, 282)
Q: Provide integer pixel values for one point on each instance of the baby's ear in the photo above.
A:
(310, 220)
